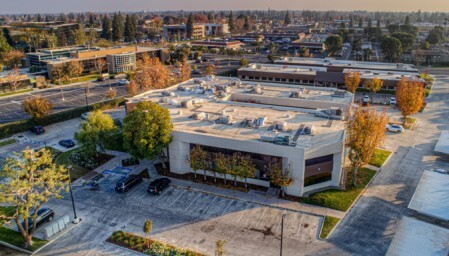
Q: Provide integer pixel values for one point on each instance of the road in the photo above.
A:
(63, 98)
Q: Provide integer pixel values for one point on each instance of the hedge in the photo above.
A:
(6, 130)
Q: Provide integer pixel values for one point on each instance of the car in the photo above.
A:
(365, 99)
(158, 185)
(442, 171)
(126, 183)
(67, 143)
(397, 128)
(123, 82)
(196, 72)
(43, 215)
(84, 116)
(198, 61)
(38, 130)
(393, 101)
(101, 79)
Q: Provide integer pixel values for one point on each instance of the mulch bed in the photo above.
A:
(209, 180)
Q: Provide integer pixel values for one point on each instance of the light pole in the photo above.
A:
(282, 231)
(62, 95)
(85, 95)
(75, 219)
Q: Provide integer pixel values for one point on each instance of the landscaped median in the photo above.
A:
(339, 199)
(148, 246)
(7, 142)
(328, 226)
(379, 157)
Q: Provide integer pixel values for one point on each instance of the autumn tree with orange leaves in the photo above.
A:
(352, 81)
(185, 71)
(132, 88)
(365, 131)
(151, 73)
(373, 86)
(409, 97)
(37, 106)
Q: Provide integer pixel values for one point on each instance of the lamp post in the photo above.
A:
(62, 95)
(282, 231)
(75, 219)
(85, 95)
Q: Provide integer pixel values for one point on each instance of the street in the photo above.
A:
(64, 98)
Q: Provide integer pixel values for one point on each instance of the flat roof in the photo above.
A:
(284, 69)
(443, 143)
(431, 195)
(326, 131)
(384, 75)
(328, 62)
(417, 238)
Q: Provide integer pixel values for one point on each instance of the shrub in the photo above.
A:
(83, 160)
(132, 243)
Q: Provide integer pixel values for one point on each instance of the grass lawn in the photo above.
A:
(18, 92)
(15, 238)
(342, 199)
(86, 78)
(379, 157)
(328, 225)
(77, 171)
(7, 142)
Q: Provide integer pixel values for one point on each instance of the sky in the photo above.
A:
(56, 6)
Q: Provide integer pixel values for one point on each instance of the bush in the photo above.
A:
(81, 159)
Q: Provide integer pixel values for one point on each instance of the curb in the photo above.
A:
(16, 248)
(58, 236)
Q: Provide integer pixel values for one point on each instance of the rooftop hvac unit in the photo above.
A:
(186, 103)
(199, 116)
(283, 139)
(249, 122)
(267, 137)
(173, 102)
(197, 81)
(182, 88)
(261, 121)
(222, 94)
(225, 120)
(281, 126)
(197, 101)
(163, 100)
(168, 93)
(339, 93)
(309, 130)
(200, 90)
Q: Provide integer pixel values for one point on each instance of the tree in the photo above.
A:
(117, 27)
(407, 40)
(219, 247)
(189, 26)
(248, 169)
(287, 18)
(198, 160)
(94, 132)
(106, 28)
(79, 36)
(365, 131)
(221, 165)
(374, 85)
(436, 35)
(147, 227)
(352, 81)
(14, 79)
(150, 73)
(210, 69)
(111, 94)
(278, 177)
(236, 168)
(51, 40)
(74, 69)
(132, 88)
(231, 22)
(130, 29)
(356, 45)
(361, 23)
(60, 73)
(100, 65)
(409, 97)
(4, 46)
(147, 130)
(185, 71)
(333, 44)
(37, 106)
(246, 24)
(243, 62)
(392, 48)
(32, 179)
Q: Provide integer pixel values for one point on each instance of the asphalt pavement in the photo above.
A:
(63, 98)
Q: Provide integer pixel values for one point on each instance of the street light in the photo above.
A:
(85, 95)
(75, 219)
(282, 231)
(62, 95)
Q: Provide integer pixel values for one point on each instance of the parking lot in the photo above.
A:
(181, 216)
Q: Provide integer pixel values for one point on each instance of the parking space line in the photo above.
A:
(300, 224)
(193, 201)
(227, 207)
(243, 213)
(207, 208)
(163, 193)
(261, 217)
(135, 189)
(177, 198)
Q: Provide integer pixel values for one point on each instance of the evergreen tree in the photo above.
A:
(287, 19)
(8, 36)
(63, 18)
(189, 26)
(106, 32)
(351, 23)
(407, 21)
(39, 17)
(361, 23)
(117, 27)
(246, 24)
(4, 46)
(130, 34)
(370, 23)
(378, 23)
(91, 19)
(231, 22)
(210, 17)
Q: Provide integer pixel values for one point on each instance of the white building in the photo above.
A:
(299, 127)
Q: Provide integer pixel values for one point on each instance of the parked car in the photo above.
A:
(196, 72)
(125, 184)
(84, 116)
(397, 128)
(393, 101)
(198, 61)
(157, 186)
(365, 99)
(43, 215)
(442, 171)
(123, 82)
(101, 79)
(67, 143)
(38, 130)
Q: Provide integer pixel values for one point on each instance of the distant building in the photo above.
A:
(218, 44)
(313, 42)
(179, 31)
(215, 29)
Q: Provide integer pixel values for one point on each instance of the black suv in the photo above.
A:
(43, 215)
(37, 129)
(125, 184)
(157, 186)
